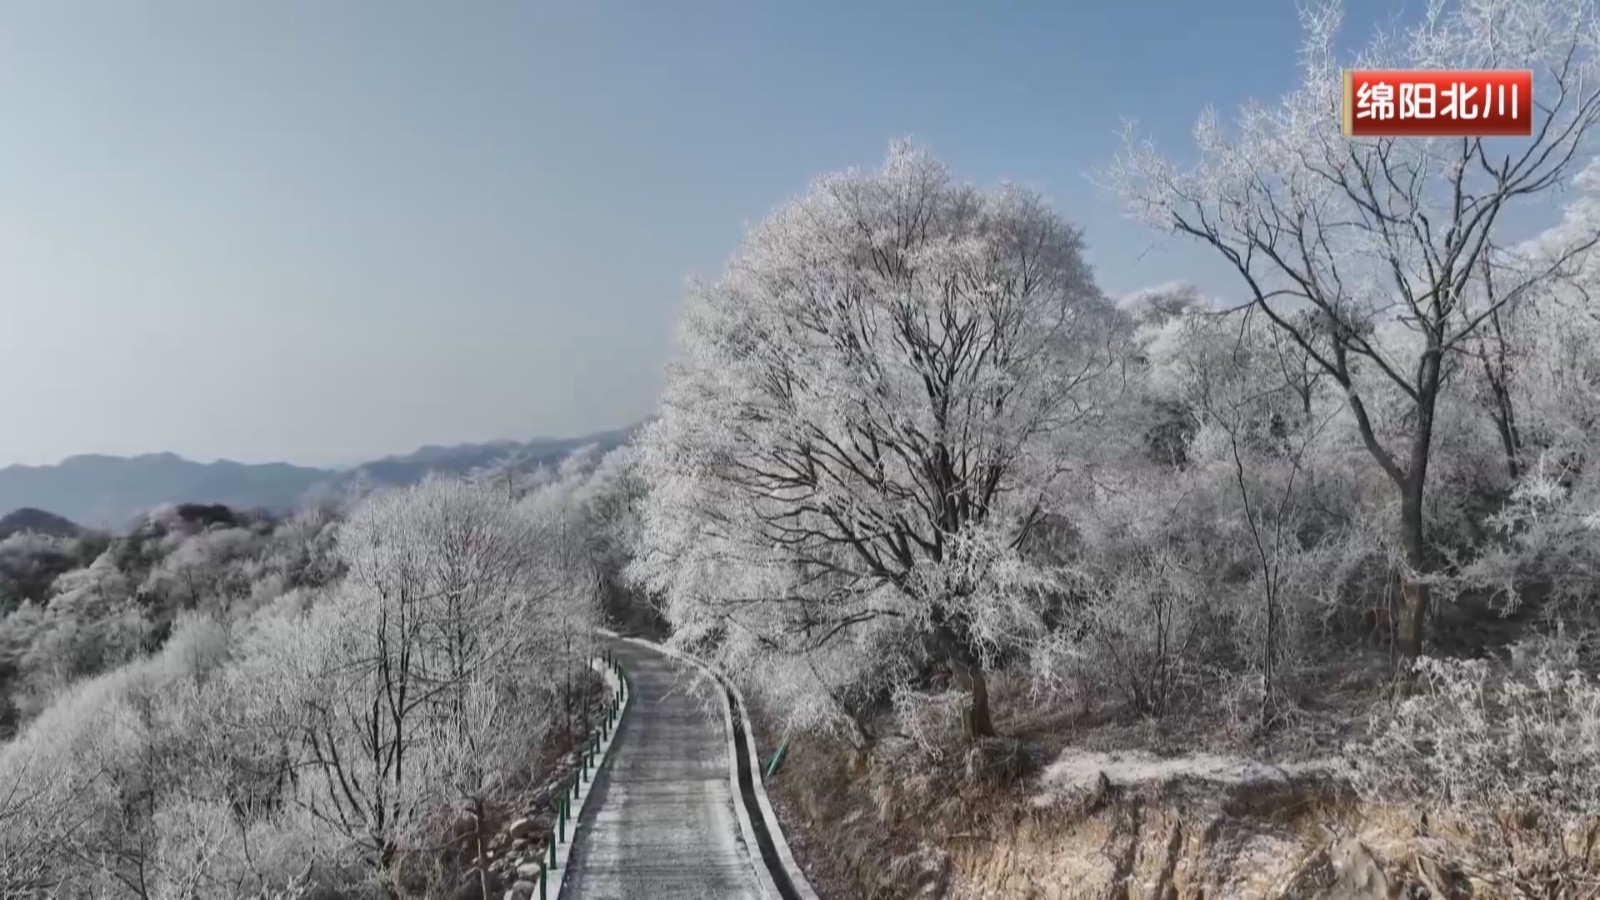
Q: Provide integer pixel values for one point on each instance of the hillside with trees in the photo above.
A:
(1221, 597)
(1292, 592)
(224, 703)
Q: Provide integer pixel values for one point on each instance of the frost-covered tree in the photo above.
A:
(1394, 253)
(436, 664)
(203, 568)
(1541, 387)
(873, 406)
(1252, 392)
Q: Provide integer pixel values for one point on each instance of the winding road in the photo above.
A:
(661, 823)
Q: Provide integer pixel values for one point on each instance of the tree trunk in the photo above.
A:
(1414, 593)
(1505, 423)
(1413, 537)
(945, 644)
(1502, 410)
(975, 719)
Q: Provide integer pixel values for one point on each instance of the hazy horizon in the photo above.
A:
(314, 233)
(333, 463)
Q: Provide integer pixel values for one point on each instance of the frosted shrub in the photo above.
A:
(829, 689)
(1147, 626)
(930, 723)
(1487, 741)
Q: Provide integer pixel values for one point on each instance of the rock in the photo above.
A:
(1342, 871)
(529, 871)
(926, 870)
(1100, 793)
(1346, 870)
(1312, 880)
(522, 890)
(522, 828)
(471, 887)
(1356, 872)
(1443, 882)
(464, 826)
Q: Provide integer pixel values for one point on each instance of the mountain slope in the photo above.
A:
(37, 521)
(108, 491)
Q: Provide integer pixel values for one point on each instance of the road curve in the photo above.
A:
(661, 823)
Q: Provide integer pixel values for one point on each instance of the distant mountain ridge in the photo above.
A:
(463, 458)
(108, 491)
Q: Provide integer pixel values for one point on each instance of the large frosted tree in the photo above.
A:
(874, 404)
(1387, 259)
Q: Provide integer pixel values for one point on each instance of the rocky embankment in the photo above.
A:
(1134, 827)
(504, 859)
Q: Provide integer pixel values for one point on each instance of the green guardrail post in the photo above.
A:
(544, 879)
(553, 851)
(777, 758)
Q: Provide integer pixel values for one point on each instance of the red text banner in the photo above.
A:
(1438, 103)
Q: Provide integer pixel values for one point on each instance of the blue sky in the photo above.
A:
(321, 231)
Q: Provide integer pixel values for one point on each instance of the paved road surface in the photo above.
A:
(660, 823)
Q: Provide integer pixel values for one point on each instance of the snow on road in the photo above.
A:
(661, 823)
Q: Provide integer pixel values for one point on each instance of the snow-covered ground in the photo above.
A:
(1078, 770)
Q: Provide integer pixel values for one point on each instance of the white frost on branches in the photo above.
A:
(876, 402)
